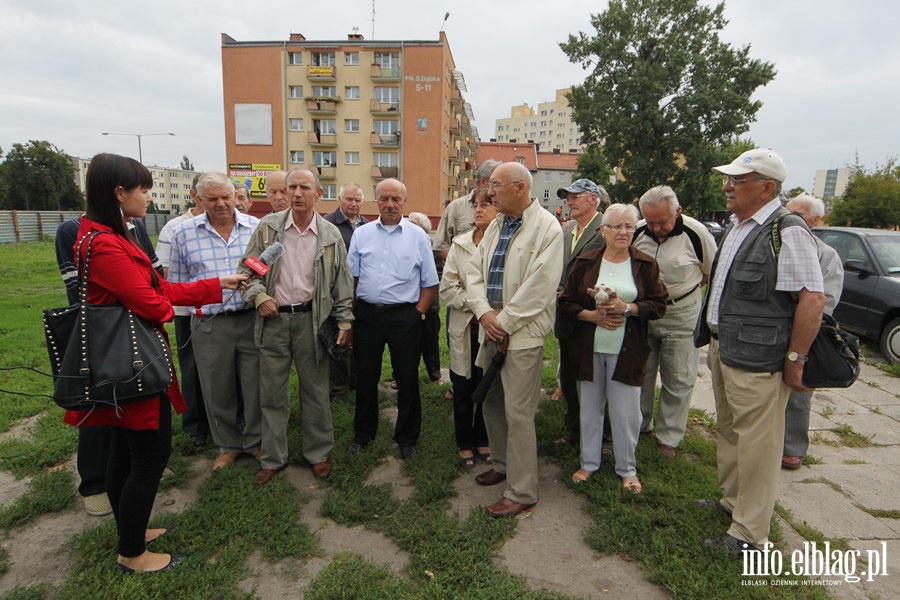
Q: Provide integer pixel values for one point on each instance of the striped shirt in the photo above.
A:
(798, 262)
(199, 252)
(498, 262)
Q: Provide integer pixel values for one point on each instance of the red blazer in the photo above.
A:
(120, 273)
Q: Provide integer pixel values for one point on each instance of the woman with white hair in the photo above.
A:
(611, 335)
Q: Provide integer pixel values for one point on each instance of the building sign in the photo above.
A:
(422, 124)
(423, 83)
(318, 71)
(255, 174)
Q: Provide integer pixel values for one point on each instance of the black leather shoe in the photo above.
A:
(490, 477)
(407, 452)
(730, 544)
(355, 447)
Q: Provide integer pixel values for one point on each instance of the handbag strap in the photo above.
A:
(85, 369)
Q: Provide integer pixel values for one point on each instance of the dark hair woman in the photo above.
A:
(118, 189)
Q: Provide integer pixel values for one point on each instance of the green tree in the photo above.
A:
(793, 193)
(186, 164)
(38, 176)
(664, 94)
(871, 199)
(592, 164)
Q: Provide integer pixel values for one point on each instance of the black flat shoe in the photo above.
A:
(175, 559)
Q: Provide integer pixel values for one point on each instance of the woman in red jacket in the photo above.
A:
(118, 189)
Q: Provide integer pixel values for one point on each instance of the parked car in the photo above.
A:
(870, 301)
(715, 229)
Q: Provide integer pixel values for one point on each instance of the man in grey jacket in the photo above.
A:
(303, 288)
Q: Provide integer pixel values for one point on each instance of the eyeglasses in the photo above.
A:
(622, 227)
(574, 197)
(729, 180)
(493, 185)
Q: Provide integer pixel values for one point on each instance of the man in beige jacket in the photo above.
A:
(512, 283)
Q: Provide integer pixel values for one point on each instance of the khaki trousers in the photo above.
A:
(749, 434)
(509, 411)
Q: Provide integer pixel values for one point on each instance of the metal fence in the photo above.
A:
(30, 226)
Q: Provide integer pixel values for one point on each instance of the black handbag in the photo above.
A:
(328, 334)
(104, 354)
(833, 358)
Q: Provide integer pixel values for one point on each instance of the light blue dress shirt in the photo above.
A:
(392, 263)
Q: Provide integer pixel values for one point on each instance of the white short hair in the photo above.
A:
(616, 210)
(814, 206)
(421, 220)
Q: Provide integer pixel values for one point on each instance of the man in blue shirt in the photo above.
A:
(396, 279)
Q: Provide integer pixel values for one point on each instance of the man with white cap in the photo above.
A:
(760, 315)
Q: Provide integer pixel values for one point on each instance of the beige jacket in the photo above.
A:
(453, 292)
(531, 274)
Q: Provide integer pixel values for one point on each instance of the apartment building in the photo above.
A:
(354, 111)
(832, 183)
(549, 127)
(171, 187)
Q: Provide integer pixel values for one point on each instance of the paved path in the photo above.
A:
(838, 494)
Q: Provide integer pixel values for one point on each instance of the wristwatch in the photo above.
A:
(627, 312)
(794, 357)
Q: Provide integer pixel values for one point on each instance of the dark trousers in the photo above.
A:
(430, 343)
(397, 326)
(342, 374)
(468, 420)
(93, 454)
(136, 463)
(569, 386)
(193, 420)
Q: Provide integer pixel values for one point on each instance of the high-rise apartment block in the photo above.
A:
(550, 127)
(352, 110)
(171, 192)
(831, 183)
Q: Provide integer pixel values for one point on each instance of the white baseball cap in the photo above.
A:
(759, 160)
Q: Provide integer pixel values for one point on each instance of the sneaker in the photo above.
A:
(97, 505)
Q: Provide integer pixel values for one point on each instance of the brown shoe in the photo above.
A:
(791, 462)
(224, 459)
(505, 507)
(257, 454)
(490, 477)
(666, 450)
(321, 470)
(265, 476)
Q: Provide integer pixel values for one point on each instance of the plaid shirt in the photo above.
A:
(199, 252)
(498, 261)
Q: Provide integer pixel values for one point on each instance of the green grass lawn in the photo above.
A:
(661, 529)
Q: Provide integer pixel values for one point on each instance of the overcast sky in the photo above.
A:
(71, 70)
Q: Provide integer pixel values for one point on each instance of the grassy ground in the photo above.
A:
(661, 529)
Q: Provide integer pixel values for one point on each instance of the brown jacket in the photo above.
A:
(651, 303)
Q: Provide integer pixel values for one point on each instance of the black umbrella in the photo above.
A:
(487, 379)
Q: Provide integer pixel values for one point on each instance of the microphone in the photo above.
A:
(260, 266)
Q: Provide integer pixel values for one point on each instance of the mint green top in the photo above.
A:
(618, 277)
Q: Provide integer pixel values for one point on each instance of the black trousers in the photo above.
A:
(136, 463)
(430, 343)
(468, 421)
(398, 326)
(93, 454)
(193, 420)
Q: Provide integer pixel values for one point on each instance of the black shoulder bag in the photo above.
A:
(104, 354)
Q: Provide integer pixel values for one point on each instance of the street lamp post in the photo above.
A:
(138, 136)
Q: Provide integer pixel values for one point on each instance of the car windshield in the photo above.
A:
(887, 252)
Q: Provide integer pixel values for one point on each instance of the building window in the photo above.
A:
(384, 127)
(387, 60)
(351, 158)
(296, 124)
(325, 159)
(330, 191)
(325, 125)
(297, 156)
(562, 177)
(324, 91)
(547, 177)
(322, 59)
(296, 91)
(351, 92)
(387, 95)
(351, 125)
(351, 58)
(385, 159)
(546, 194)
(295, 58)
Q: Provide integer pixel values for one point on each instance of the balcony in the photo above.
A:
(384, 108)
(454, 154)
(377, 73)
(454, 126)
(327, 172)
(384, 172)
(320, 73)
(384, 141)
(314, 138)
(321, 107)
(453, 181)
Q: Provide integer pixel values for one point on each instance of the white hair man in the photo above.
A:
(760, 316)
(796, 416)
(684, 250)
(276, 191)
